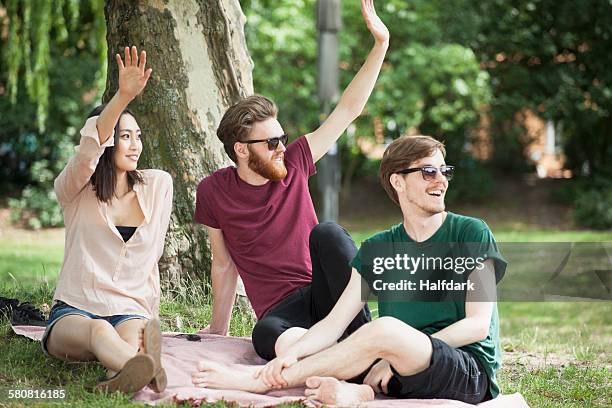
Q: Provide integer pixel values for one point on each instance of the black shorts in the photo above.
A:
(452, 374)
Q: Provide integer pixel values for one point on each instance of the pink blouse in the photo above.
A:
(100, 273)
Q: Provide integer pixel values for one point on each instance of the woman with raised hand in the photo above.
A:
(106, 303)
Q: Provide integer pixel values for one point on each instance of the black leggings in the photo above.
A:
(331, 251)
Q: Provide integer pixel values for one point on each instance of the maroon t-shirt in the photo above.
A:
(266, 228)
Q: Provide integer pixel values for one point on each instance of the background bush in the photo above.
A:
(593, 208)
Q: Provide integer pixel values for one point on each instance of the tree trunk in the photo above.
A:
(200, 66)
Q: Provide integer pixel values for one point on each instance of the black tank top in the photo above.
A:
(126, 232)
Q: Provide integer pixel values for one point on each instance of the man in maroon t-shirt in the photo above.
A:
(261, 221)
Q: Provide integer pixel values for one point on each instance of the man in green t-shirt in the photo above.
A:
(434, 275)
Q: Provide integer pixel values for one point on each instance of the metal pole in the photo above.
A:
(329, 23)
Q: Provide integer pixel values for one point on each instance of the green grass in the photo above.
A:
(557, 354)
(24, 366)
(30, 258)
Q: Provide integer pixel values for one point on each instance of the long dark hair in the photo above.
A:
(104, 179)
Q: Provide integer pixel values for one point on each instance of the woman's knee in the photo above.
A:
(129, 330)
(70, 338)
(98, 328)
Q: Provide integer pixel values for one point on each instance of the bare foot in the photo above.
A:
(228, 377)
(331, 391)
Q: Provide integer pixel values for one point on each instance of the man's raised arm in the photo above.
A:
(356, 95)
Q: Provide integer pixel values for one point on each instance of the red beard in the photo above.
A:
(269, 169)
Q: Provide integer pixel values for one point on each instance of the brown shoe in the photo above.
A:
(134, 376)
(152, 347)
(160, 381)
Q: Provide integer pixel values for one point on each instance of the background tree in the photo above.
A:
(53, 60)
(552, 57)
(428, 83)
(448, 64)
(200, 66)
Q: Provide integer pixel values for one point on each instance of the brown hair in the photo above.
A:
(401, 153)
(104, 178)
(237, 122)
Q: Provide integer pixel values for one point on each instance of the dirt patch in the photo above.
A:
(5, 218)
(520, 361)
(531, 361)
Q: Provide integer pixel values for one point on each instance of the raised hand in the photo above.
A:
(132, 75)
(375, 25)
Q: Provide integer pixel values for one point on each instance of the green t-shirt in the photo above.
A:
(431, 316)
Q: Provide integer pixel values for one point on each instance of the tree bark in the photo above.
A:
(201, 65)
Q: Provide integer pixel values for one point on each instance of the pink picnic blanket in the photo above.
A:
(180, 357)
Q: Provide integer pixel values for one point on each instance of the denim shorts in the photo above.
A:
(61, 309)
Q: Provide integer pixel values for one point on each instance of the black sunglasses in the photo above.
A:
(272, 142)
(429, 172)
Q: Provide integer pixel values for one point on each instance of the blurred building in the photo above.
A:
(542, 144)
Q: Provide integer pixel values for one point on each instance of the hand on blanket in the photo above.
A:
(379, 376)
(270, 374)
(208, 330)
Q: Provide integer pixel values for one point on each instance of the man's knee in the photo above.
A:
(288, 338)
(392, 336)
(387, 325)
(385, 331)
(327, 232)
(264, 336)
